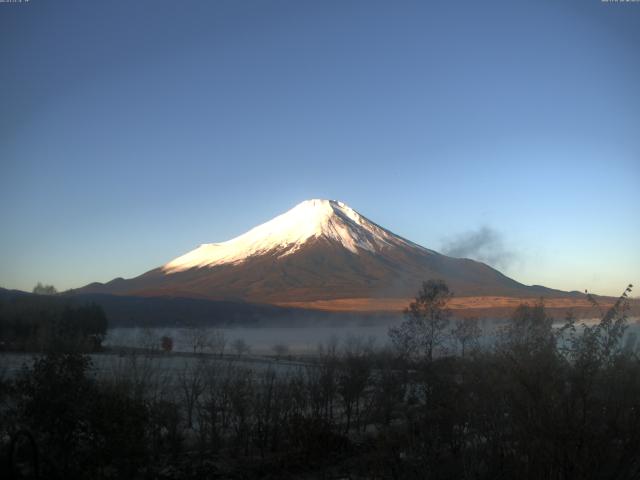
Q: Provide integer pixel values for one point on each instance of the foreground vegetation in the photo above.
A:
(541, 403)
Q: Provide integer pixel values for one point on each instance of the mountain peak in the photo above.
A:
(319, 254)
(319, 211)
(287, 233)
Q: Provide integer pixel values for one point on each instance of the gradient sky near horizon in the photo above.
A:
(131, 132)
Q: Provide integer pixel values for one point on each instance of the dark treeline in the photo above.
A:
(540, 403)
(44, 322)
(131, 311)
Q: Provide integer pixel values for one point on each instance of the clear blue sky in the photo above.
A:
(130, 132)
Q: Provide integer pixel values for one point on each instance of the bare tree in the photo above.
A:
(353, 377)
(467, 333)
(217, 341)
(280, 349)
(240, 346)
(322, 381)
(529, 329)
(202, 339)
(142, 375)
(191, 379)
(166, 343)
(423, 330)
(358, 345)
(148, 340)
(331, 347)
(41, 289)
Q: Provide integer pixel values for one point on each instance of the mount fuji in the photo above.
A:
(320, 254)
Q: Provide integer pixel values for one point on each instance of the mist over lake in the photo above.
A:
(261, 340)
(298, 340)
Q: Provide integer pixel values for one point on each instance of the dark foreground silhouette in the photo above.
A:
(540, 403)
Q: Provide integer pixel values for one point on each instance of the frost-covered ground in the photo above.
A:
(155, 367)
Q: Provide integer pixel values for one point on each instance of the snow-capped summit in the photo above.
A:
(286, 233)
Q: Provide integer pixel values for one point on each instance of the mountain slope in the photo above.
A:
(319, 250)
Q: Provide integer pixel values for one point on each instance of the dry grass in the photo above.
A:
(485, 306)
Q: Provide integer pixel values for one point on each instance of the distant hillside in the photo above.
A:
(130, 311)
(174, 311)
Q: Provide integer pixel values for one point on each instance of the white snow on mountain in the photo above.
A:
(287, 233)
